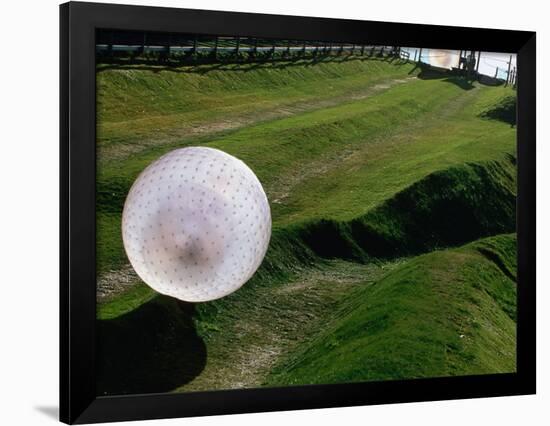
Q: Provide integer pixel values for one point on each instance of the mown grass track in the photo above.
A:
(358, 156)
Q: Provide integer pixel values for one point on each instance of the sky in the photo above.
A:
(489, 62)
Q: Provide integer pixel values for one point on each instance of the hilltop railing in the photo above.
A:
(117, 46)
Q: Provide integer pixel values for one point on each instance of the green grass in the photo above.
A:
(445, 313)
(161, 103)
(365, 167)
(357, 154)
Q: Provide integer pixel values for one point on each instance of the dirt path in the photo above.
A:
(244, 352)
(281, 190)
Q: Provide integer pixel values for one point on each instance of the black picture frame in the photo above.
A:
(78, 400)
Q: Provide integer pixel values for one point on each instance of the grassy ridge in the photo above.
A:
(445, 313)
(344, 152)
(362, 166)
(481, 197)
(136, 103)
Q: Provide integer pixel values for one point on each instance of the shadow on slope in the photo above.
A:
(153, 348)
(504, 111)
(446, 208)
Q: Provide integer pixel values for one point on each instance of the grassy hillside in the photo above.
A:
(445, 313)
(357, 153)
(366, 164)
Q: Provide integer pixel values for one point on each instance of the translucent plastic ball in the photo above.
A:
(196, 224)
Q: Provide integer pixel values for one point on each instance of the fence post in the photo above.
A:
(216, 48)
(168, 46)
(110, 46)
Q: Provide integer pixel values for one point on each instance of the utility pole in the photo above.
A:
(508, 72)
(471, 60)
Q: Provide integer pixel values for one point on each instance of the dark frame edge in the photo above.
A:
(526, 215)
(78, 402)
(64, 350)
(77, 265)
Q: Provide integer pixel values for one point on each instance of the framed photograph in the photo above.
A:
(265, 212)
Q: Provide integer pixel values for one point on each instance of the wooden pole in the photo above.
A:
(168, 46)
(362, 50)
(420, 55)
(216, 48)
(110, 46)
(478, 61)
(508, 72)
(237, 46)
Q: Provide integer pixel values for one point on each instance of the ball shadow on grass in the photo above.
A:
(152, 349)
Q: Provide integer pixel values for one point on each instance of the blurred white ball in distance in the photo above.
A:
(196, 224)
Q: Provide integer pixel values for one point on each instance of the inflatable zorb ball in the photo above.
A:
(196, 224)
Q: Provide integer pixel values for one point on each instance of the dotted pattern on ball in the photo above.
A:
(196, 224)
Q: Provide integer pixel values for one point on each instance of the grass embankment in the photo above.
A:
(357, 154)
(377, 168)
(449, 312)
